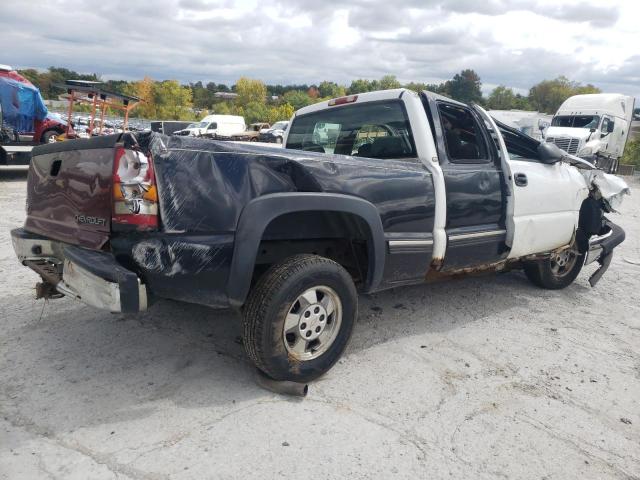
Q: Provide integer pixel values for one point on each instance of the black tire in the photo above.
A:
(545, 273)
(48, 135)
(273, 298)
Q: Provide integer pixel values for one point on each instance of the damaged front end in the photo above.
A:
(597, 235)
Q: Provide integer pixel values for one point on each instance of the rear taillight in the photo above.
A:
(135, 195)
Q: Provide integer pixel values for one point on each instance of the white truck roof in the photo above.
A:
(598, 103)
(223, 118)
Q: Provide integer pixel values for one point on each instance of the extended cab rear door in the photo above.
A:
(474, 184)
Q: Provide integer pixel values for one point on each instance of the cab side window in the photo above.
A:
(607, 125)
(463, 136)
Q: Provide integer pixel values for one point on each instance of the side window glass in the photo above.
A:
(213, 126)
(462, 135)
(370, 129)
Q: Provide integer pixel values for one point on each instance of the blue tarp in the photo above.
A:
(22, 104)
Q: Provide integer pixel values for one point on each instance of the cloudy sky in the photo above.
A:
(512, 42)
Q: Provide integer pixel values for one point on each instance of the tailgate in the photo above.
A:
(69, 191)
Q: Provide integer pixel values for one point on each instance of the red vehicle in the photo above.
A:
(24, 111)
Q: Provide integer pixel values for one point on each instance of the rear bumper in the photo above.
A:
(93, 277)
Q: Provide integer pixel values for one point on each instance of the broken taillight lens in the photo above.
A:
(135, 194)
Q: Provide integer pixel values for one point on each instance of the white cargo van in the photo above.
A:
(212, 125)
(594, 127)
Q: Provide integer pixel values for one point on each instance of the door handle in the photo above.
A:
(521, 179)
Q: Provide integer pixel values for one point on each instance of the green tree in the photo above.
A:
(631, 154)
(501, 98)
(465, 87)
(361, 86)
(416, 86)
(548, 95)
(173, 101)
(331, 89)
(297, 99)
(249, 91)
(389, 82)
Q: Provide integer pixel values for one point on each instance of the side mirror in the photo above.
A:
(549, 153)
(592, 130)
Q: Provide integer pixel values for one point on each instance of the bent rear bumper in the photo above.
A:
(93, 277)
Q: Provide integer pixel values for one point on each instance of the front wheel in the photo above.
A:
(556, 272)
(299, 318)
(50, 136)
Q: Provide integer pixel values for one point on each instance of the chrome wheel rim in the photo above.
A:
(563, 262)
(312, 323)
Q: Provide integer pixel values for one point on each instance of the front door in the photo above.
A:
(474, 184)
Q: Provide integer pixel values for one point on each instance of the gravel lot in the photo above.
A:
(481, 378)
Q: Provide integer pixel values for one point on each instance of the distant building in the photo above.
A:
(225, 95)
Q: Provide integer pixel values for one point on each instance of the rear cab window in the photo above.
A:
(372, 129)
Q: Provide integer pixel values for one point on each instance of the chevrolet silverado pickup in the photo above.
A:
(372, 191)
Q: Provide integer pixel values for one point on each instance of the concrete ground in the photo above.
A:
(481, 378)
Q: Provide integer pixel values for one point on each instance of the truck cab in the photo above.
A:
(594, 127)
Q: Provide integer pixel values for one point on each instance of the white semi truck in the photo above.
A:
(594, 127)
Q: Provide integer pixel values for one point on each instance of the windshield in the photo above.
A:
(197, 125)
(576, 121)
(279, 126)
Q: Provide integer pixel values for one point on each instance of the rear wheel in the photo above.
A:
(556, 272)
(299, 318)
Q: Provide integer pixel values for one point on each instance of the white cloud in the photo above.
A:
(511, 42)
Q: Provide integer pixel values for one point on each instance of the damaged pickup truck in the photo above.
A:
(371, 191)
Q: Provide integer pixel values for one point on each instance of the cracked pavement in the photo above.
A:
(483, 378)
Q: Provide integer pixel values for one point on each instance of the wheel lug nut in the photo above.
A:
(317, 329)
(322, 318)
(316, 310)
(307, 314)
(308, 334)
(303, 326)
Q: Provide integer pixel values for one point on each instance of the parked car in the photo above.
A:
(249, 135)
(168, 127)
(275, 134)
(213, 126)
(25, 111)
(412, 187)
(594, 127)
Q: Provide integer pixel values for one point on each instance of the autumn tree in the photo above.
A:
(144, 90)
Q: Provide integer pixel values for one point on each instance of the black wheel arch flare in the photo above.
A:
(258, 213)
